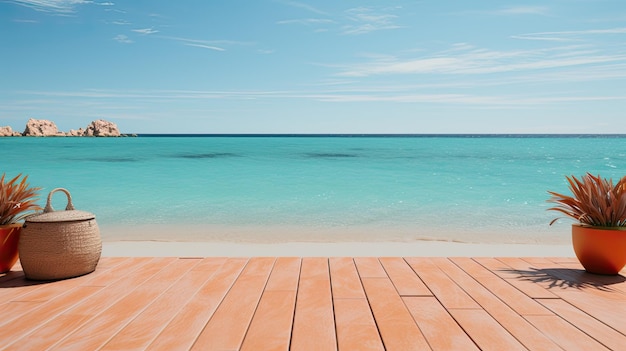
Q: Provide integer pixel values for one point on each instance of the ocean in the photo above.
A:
(465, 188)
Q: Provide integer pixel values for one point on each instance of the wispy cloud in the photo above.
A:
(145, 31)
(304, 6)
(217, 45)
(523, 10)
(122, 39)
(366, 19)
(306, 21)
(121, 22)
(53, 6)
(469, 60)
(216, 48)
(568, 35)
(391, 94)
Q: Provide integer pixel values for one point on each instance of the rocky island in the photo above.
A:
(46, 128)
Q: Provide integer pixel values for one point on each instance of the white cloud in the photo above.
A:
(207, 44)
(364, 20)
(122, 39)
(216, 48)
(304, 6)
(569, 35)
(306, 21)
(467, 60)
(55, 6)
(524, 10)
(145, 31)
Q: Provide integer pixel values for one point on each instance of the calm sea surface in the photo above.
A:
(470, 188)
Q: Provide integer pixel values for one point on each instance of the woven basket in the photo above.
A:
(59, 244)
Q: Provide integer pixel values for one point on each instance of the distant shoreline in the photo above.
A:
(373, 135)
(328, 135)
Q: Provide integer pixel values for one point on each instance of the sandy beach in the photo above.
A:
(253, 241)
(352, 249)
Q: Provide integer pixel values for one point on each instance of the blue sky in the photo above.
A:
(282, 66)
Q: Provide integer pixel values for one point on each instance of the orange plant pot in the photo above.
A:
(9, 238)
(600, 250)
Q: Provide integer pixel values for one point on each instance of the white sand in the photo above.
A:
(351, 249)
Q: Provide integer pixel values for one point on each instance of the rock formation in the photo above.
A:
(102, 128)
(7, 131)
(41, 127)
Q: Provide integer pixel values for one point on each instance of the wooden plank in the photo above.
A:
(107, 323)
(599, 331)
(138, 334)
(314, 318)
(515, 324)
(514, 298)
(356, 329)
(68, 311)
(271, 325)
(285, 275)
(369, 267)
(582, 308)
(439, 328)
(404, 278)
(228, 326)
(568, 277)
(603, 309)
(515, 278)
(445, 289)
(564, 334)
(345, 280)
(181, 332)
(270, 328)
(395, 323)
(31, 290)
(485, 331)
(18, 334)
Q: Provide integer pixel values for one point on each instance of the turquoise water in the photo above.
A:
(401, 188)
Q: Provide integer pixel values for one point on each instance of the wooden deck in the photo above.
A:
(269, 303)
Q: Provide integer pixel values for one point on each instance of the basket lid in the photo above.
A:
(69, 215)
(60, 216)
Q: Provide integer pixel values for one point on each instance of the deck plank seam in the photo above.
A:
(295, 304)
(369, 303)
(487, 309)
(146, 284)
(258, 302)
(75, 304)
(147, 306)
(217, 306)
(418, 276)
(330, 285)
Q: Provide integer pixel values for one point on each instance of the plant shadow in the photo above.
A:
(568, 278)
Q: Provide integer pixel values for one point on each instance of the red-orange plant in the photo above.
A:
(16, 199)
(595, 201)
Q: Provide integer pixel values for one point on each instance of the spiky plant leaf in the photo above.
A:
(594, 201)
(17, 199)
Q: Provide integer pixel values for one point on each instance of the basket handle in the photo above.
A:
(49, 208)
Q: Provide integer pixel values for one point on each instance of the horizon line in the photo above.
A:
(399, 135)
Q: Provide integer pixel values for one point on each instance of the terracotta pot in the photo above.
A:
(600, 250)
(9, 238)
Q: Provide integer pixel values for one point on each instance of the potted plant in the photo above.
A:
(17, 199)
(599, 207)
